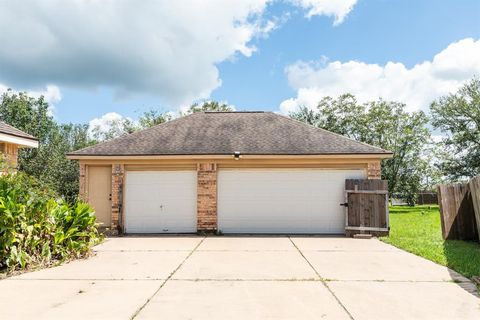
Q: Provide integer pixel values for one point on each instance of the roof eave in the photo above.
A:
(380, 156)
(18, 140)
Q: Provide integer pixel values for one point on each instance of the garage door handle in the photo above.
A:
(345, 204)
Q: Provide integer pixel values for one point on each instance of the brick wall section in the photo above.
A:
(118, 173)
(374, 170)
(82, 183)
(207, 197)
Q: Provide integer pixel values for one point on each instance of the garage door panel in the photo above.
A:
(160, 202)
(282, 201)
(265, 226)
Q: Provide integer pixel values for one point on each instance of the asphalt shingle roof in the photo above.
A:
(220, 133)
(8, 129)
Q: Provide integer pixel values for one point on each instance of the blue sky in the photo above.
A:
(294, 63)
(376, 31)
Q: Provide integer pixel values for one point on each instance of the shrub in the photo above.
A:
(37, 228)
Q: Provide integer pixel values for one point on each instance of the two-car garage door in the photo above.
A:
(249, 201)
(282, 201)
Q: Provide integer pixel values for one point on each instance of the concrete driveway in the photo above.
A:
(242, 278)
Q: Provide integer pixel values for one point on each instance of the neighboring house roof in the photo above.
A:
(223, 133)
(13, 135)
(8, 129)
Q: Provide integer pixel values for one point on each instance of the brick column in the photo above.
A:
(374, 170)
(206, 197)
(118, 172)
(82, 183)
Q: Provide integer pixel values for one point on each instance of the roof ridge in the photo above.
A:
(333, 133)
(239, 111)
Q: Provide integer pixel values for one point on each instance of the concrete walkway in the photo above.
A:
(242, 278)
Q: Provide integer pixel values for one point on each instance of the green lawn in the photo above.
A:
(417, 230)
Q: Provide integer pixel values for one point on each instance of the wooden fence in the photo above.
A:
(422, 198)
(427, 198)
(366, 206)
(457, 212)
(474, 186)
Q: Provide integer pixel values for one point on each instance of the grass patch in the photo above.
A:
(418, 230)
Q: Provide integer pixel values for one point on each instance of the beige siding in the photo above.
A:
(9, 152)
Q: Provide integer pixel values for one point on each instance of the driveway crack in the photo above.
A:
(321, 279)
(166, 280)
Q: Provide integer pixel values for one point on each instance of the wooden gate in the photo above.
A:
(366, 207)
(457, 212)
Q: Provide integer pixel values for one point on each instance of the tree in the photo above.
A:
(152, 118)
(29, 115)
(61, 173)
(120, 126)
(47, 163)
(383, 124)
(113, 128)
(457, 116)
(343, 115)
(209, 106)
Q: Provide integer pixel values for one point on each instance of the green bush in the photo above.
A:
(37, 228)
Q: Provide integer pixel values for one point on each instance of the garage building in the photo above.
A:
(231, 172)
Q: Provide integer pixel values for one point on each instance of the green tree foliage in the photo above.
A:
(114, 128)
(209, 106)
(39, 229)
(383, 124)
(59, 172)
(27, 114)
(152, 118)
(123, 126)
(47, 163)
(458, 117)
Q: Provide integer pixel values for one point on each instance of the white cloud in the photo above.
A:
(338, 9)
(170, 49)
(51, 94)
(166, 48)
(416, 86)
(108, 126)
(105, 122)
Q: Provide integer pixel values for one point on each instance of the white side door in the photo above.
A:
(160, 202)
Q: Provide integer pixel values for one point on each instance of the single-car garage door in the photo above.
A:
(283, 200)
(161, 202)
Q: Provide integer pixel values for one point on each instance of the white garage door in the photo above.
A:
(161, 201)
(283, 201)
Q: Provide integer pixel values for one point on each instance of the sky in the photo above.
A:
(98, 60)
